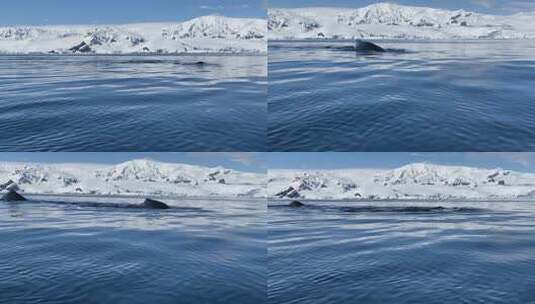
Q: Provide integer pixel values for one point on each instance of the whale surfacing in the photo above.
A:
(13, 196)
(366, 46)
(296, 204)
(154, 204)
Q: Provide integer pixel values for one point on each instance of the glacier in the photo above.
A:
(418, 181)
(206, 34)
(133, 178)
(393, 21)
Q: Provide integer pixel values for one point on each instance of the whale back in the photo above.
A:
(13, 196)
(366, 46)
(154, 204)
(296, 204)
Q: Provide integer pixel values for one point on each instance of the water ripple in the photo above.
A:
(121, 103)
(412, 252)
(438, 96)
(67, 253)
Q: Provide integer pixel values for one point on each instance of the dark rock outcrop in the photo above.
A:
(290, 192)
(13, 196)
(81, 48)
(9, 185)
(154, 204)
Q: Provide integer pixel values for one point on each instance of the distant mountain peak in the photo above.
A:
(133, 177)
(204, 34)
(412, 181)
(390, 20)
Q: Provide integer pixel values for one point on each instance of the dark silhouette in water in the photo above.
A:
(361, 47)
(296, 204)
(198, 63)
(13, 196)
(381, 209)
(147, 204)
(154, 204)
(368, 47)
(408, 209)
(166, 61)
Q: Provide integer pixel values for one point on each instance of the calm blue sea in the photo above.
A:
(421, 96)
(371, 252)
(57, 253)
(133, 103)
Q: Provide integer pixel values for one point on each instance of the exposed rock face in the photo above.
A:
(216, 27)
(154, 204)
(81, 48)
(386, 20)
(419, 181)
(139, 177)
(290, 192)
(13, 196)
(235, 35)
(9, 185)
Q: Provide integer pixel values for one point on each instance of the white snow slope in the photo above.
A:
(392, 21)
(412, 182)
(207, 34)
(135, 178)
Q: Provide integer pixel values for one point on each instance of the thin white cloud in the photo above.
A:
(521, 6)
(418, 154)
(515, 6)
(485, 3)
(245, 158)
(220, 7)
(524, 159)
(212, 7)
(249, 159)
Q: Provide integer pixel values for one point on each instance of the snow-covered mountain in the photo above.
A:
(386, 20)
(414, 181)
(207, 34)
(137, 177)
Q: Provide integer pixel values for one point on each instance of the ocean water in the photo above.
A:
(420, 96)
(394, 252)
(133, 103)
(72, 253)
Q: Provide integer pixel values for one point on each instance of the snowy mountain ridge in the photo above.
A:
(206, 34)
(414, 181)
(393, 21)
(137, 177)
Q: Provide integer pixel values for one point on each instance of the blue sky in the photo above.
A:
(483, 6)
(36, 12)
(258, 162)
(251, 162)
(513, 161)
